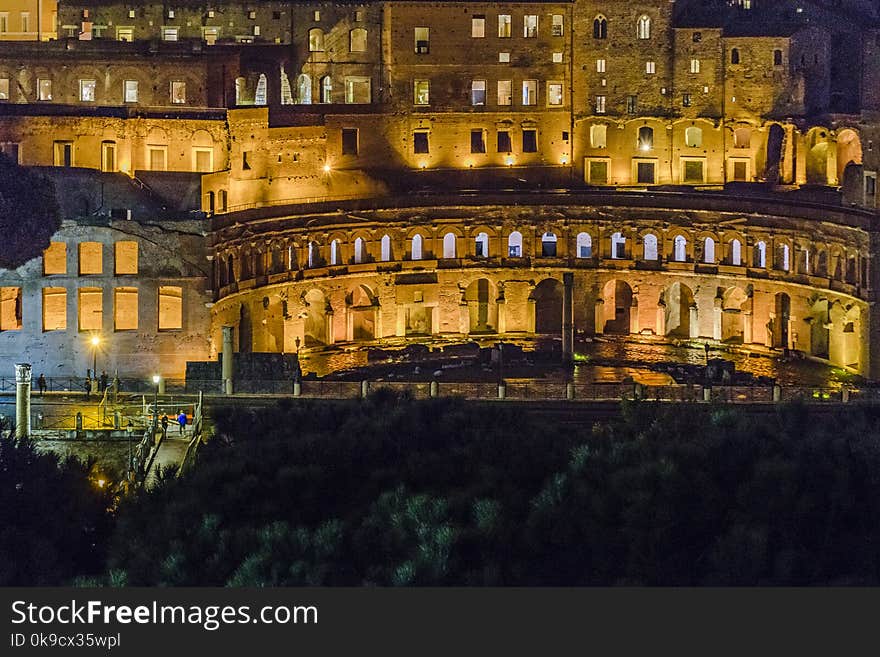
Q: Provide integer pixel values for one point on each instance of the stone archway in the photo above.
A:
(482, 310)
(547, 297)
(781, 321)
(316, 329)
(733, 303)
(363, 314)
(681, 313)
(618, 298)
(819, 325)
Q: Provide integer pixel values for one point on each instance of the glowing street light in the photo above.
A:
(95, 342)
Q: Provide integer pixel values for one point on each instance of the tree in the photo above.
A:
(29, 213)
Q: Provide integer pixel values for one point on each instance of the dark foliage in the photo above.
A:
(395, 492)
(54, 524)
(29, 214)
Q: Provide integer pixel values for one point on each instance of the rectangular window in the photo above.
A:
(349, 141)
(650, 68)
(505, 92)
(631, 104)
(420, 141)
(556, 25)
(4, 22)
(210, 35)
(125, 34)
(554, 94)
(91, 308)
(504, 142)
(55, 259)
(685, 100)
(598, 135)
(478, 141)
(870, 184)
(600, 104)
(530, 26)
(4, 88)
(600, 66)
(10, 309)
(90, 258)
(740, 170)
(63, 153)
(169, 34)
(478, 27)
(557, 57)
(478, 92)
(125, 309)
(645, 173)
(358, 90)
(421, 92)
(357, 40)
(692, 171)
(530, 92)
(695, 66)
(131, 91)
(170, 308)
(44, 89)
(178, 92)
(157, 158)
(203, 160)
(54, 309)
(11, 150)
(504, 26)
(529, 141)
(126, 258)
(87, 91)
(108, 156)
(598, 173)
(504, 57)
(422, 40)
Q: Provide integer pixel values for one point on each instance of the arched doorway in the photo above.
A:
(782, 320)
(679, 301)
(315, 324)
(362, 308)
(849, 151)
(775, 140)
(547, 296)
(618, 307)
(817, 157)
(819, 324)
(732, 322)
(482, 309)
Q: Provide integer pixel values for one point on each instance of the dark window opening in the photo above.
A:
(530, 141)
(420, 142)
(504, 141)
(478, 141)
(349, 141)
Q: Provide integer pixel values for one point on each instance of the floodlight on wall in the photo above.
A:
(326, 168)
(509, 161)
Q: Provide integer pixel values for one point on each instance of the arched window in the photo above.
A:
(742, 138)
(679, 250)
(262, 92)
(481, 245)
(646, 138)
(600, 28)
(709, 251)
(734, 55)
(584, 245)
(449, 245)
(357, 40)
(644, 27)
(312, 259)
(417, 247)
(783, 257)
(316, 40)
(735, 252)
(385, 249)
(358, 250)
(548, 245)
(618, 246)
(326, 89)
(304, 89)
(693, 137)
(760, 255)
(334, 252)
(514, 244)
(651, 251)
(598, 135)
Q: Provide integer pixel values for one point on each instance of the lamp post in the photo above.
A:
(156, 380)
(95, 342)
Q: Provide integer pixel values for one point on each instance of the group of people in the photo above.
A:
(96, 383)
(181, 421)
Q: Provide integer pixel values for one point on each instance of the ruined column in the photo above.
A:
(717, 311)
(660, 324)
(228, 333)
(634, 324)
(567, 317)
(22, 400)
(693, 321)
(599, 317)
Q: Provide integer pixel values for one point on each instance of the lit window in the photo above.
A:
(422, 37)
(557, 57)
(44, 89)
(478, 92)
(645, 141)
(170, 307)
(131, 91)
(631, 104)
(125, 33)
(650, 68)
(54, 309)
(178, 92)
(358, 90)
(695, 66)
(478, 27)
(504, 57)
(10, 309)
(90, 258)
(316, 40)
(169, 34)
(530, 92)
(91, 308)
(87, 91)
(600, 104)
(600, 66)
(358, 40)
(125, 309)
(55, 259)
(530, 26)
(504, 26)
(421, 92)
(126, 258)
(203, 159)
(505, 93)
(556, 25)
(554, 93)
(693, 137)
(598, 135)
(644, 27)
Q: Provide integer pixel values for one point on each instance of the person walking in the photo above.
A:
(181, 420)
(164, 423)
(104, 379)
(88, 385)
(41, 384)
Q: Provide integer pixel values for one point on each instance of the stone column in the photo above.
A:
(717, 311)
(464, 318)
(502, 316)
(599, 317)
(228, 333)
(660, 325)
(634, 324)
(567, 317)
(349, 325)
(747, 326)
(377, 323)
(693, 322)
(22, 400)
(531, 315)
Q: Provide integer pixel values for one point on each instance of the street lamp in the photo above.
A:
(95, 342)
(156, 380)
